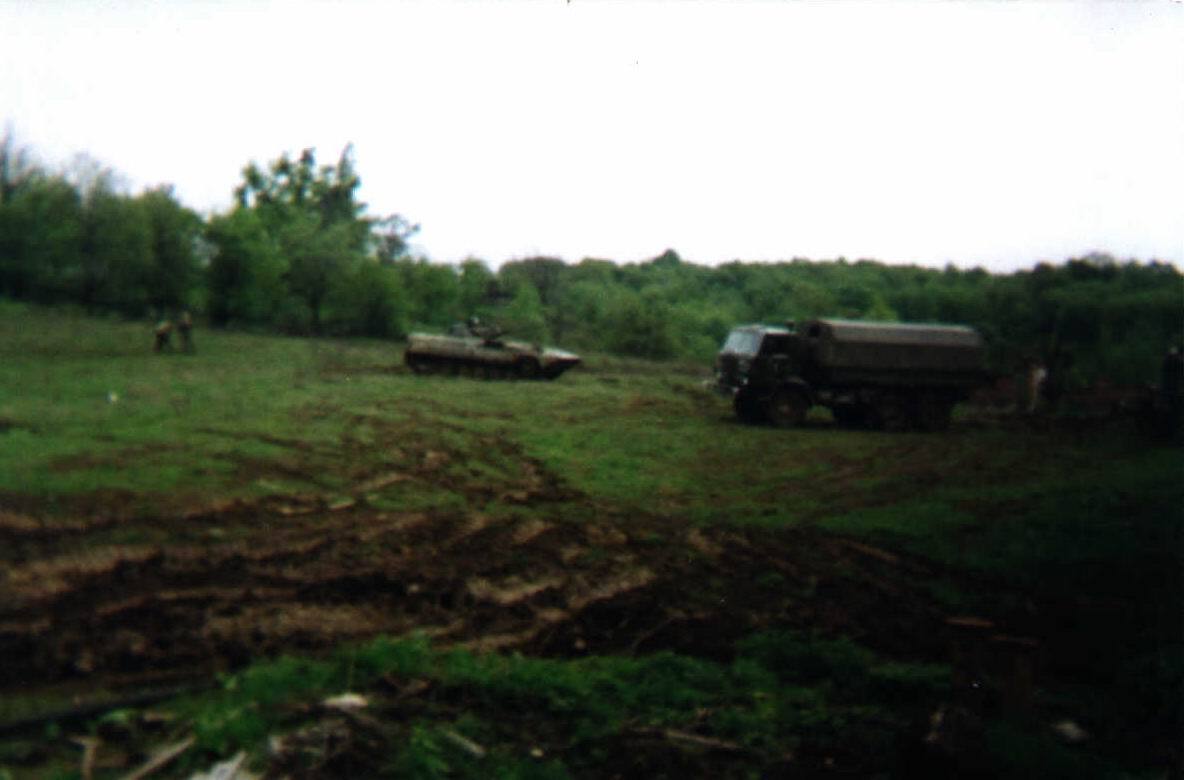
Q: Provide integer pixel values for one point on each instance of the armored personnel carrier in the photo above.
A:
(482, 352)
(879, 374)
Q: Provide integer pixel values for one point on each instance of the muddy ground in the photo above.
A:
(116, 600)
(100, 599)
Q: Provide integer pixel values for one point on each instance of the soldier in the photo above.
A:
(483, 331)
(1031, 387)
(185, 326)
(164, 335)
(1171, 384)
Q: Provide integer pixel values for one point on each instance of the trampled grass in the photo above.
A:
(85, 405)
(1001, 513)
(780, 684)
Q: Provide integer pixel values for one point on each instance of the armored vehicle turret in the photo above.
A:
(880, 374)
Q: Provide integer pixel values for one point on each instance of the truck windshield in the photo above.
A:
(744, 342)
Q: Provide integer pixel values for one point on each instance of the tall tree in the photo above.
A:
(323, 234)
(40, 240)
(175, 230)
(16, 166)
(117, 259)
(245, 276)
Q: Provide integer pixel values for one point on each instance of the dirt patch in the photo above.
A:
(289, 580)
(228, 583)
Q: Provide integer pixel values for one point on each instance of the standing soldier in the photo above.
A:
(1030, 386)
(1171, 386)
(185, 326)
(164, 335)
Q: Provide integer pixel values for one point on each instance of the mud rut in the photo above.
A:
(244, 579)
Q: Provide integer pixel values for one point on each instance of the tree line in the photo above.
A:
(298, 253)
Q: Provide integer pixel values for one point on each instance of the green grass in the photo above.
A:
(785, 691)
(824, 691)
(1118, 512)
(1000, 515)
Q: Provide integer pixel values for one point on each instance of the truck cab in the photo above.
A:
(750, 354)
(754, 363)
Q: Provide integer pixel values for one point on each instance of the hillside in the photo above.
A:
(604, 575)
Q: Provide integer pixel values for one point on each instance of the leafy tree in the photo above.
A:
(544, 274)
(245, 277)
(368, 301)
(523, 316)
(318, 259)
(579, 314)
(117, 254)
(174, 230)
(854, 300)
(324, 237)
(391, 237)
(40, 240)
(433, 292)
(479, 289)
(17, 168)
(639, 326)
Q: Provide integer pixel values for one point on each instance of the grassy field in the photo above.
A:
(602, 575)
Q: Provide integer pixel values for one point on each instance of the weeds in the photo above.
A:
(782, 683)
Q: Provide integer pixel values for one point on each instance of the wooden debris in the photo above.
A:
(380, 482)
(231, 769)
(161, 758)
(1070, 732)
(289, 510)
(872, 552)
(691, 740)
(89, 746)
(346, 701)
(1018, 642)
(464, 743)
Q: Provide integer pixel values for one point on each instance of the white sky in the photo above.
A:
(994, 134)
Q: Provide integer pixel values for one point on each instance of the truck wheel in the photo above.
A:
(932, 413)
(787, 408)
(747, 409)
(849, 415)
(889, 413)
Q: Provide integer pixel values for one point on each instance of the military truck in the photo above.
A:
(484, 353)
(875, 374)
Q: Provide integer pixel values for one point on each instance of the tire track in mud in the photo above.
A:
(223, 584)
(547, 587)
(327, 578)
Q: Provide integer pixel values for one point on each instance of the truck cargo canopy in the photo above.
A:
(855, 331)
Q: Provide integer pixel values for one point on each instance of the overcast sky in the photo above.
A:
(993, 134)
